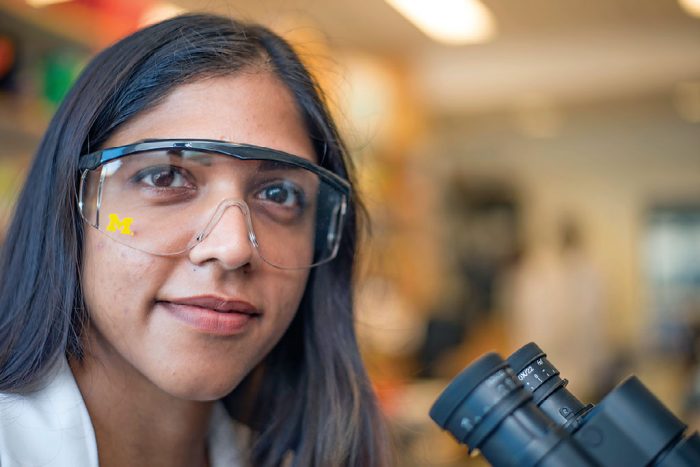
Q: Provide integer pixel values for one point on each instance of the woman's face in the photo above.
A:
(148, 313)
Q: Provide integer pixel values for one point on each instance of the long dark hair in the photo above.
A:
(311, 396)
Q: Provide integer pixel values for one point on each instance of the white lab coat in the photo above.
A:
(52, 428)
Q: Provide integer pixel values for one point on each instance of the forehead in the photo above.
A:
(251, 107)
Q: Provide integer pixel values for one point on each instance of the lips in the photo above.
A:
(212, 314)
(219, 304)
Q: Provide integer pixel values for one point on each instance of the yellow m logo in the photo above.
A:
(121, 225)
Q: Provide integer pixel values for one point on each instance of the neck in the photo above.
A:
(135, 422)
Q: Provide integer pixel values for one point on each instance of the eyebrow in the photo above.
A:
(269, 166)
(205, 159)
(199, 157)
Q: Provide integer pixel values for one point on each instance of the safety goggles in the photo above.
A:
(163, 197)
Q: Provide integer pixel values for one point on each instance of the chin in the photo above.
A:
(206, 383)
(196, 389)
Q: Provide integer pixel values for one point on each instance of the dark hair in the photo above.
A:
(311, 394)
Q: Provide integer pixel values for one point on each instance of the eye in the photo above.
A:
(285, 194)
(166, 176)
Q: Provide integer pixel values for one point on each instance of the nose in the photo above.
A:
(226, 239)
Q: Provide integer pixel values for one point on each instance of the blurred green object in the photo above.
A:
(59, 70)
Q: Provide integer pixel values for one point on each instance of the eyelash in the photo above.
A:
(143, 175)
(290, 187)
(299, 200)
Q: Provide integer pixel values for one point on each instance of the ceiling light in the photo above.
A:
(449, 21)
(41, 3)
(159, 12)
(692, 7)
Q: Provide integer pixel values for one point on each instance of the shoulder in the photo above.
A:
(49, 427)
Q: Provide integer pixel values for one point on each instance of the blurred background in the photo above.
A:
(532, 171)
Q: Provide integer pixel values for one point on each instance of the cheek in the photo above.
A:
(116, 278)
(288, 294)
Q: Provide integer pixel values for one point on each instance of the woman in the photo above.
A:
(184, 244)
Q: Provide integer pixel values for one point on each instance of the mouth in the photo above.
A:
(216, 303)
(212, 314)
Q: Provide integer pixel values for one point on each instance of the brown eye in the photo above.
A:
(285, 194)
(163, 177)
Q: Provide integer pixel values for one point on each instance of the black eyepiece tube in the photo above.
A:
(485, 407)
(631, 426)
(684, 454)
(549, 391)
(527, 417)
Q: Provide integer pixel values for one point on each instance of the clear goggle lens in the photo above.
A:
(166, 201)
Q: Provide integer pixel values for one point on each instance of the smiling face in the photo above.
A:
(195, 324)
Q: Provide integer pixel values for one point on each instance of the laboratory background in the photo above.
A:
(531, 171)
